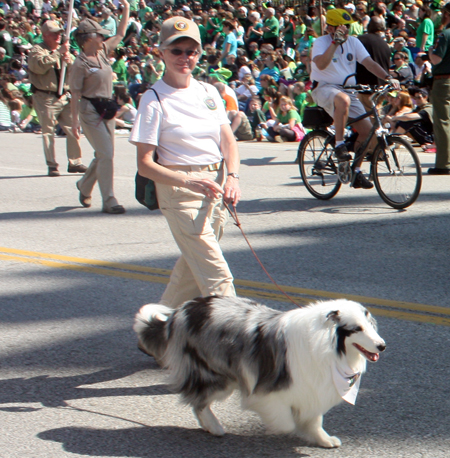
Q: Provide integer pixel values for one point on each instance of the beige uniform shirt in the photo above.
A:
(92, 79)
(41, 68)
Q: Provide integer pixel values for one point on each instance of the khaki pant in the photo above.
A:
(197, 225)
(51, 111)
(440, 98)
(100, 134)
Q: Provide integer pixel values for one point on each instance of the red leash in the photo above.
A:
(238, 224)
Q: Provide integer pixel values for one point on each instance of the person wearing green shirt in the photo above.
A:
(4, 59)
(214, 27)
(133, 5)
(356, 28)
(119, 67)
(143, 10)
(29, 121)
(425, 31)
(6, 39)
(254, 31)
(288, 31)
(288, 126)
(271, 27)
(202, 29)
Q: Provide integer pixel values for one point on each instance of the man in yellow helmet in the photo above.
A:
(334, 57)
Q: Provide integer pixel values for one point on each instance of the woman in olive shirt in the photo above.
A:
(91, 77)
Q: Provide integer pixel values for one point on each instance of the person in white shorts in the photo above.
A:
(186, 122)
(334, 57)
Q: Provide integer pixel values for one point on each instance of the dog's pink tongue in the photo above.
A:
(375, 357)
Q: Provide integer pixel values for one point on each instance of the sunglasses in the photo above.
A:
(189, 52)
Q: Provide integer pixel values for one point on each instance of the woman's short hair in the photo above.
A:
(83, 38)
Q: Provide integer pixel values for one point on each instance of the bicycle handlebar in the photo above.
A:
(368, 88)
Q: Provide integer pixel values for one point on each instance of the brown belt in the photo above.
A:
(197, 168)
(34, 89)
(441, 77)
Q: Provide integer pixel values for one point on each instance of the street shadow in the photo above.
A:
(23, 176)
(165, 441)
(52, 391)
(68, 212)
(257, 162)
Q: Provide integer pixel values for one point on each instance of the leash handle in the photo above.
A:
(238, 224)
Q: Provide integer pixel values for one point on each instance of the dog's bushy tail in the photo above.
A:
(150, 326)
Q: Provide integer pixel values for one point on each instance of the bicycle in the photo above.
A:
(394, 165)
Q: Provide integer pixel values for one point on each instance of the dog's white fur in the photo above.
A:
(309, 342)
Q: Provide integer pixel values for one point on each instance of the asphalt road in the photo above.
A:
(72, 383)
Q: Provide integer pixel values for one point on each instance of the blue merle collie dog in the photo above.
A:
(290, 367)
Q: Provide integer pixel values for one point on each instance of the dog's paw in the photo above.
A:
(209, 422)
(215, 430)
(330, 442)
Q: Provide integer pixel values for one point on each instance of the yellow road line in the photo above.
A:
(246, 288)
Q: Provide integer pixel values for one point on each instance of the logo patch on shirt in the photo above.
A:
(181, 26)
(349, 56)
(210, 103)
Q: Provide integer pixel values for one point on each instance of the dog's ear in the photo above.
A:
(334, 316)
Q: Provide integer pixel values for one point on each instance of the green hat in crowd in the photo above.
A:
(25, 89)
(221, 74)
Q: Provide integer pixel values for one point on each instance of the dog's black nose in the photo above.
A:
(381, 347)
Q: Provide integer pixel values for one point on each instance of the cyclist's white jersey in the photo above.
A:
(343, 62)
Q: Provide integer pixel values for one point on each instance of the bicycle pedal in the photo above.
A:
(344, 172)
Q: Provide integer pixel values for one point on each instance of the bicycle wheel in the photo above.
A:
(397, 173)
(317, 166)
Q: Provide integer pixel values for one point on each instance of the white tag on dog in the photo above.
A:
(346, 382)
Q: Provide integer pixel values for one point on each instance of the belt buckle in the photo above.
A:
(214, 167)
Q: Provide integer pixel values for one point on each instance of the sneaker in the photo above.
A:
(80, 168)
(361, 181)
(53, 172)
(279, 139)
(341, 153)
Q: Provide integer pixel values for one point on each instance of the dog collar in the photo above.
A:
(346, 382)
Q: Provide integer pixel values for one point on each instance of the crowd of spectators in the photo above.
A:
(257, 55)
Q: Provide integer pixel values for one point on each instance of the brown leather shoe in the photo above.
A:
(86, 201)
(53, 172)
(80, 168)
(116, 210)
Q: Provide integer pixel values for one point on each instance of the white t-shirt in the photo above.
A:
(343, 62)
(185, 126)
(242, 90)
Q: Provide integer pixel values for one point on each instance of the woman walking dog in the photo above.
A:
(186, 122)
(91, 79)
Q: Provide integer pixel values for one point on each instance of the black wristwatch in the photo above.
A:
(234, 175)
